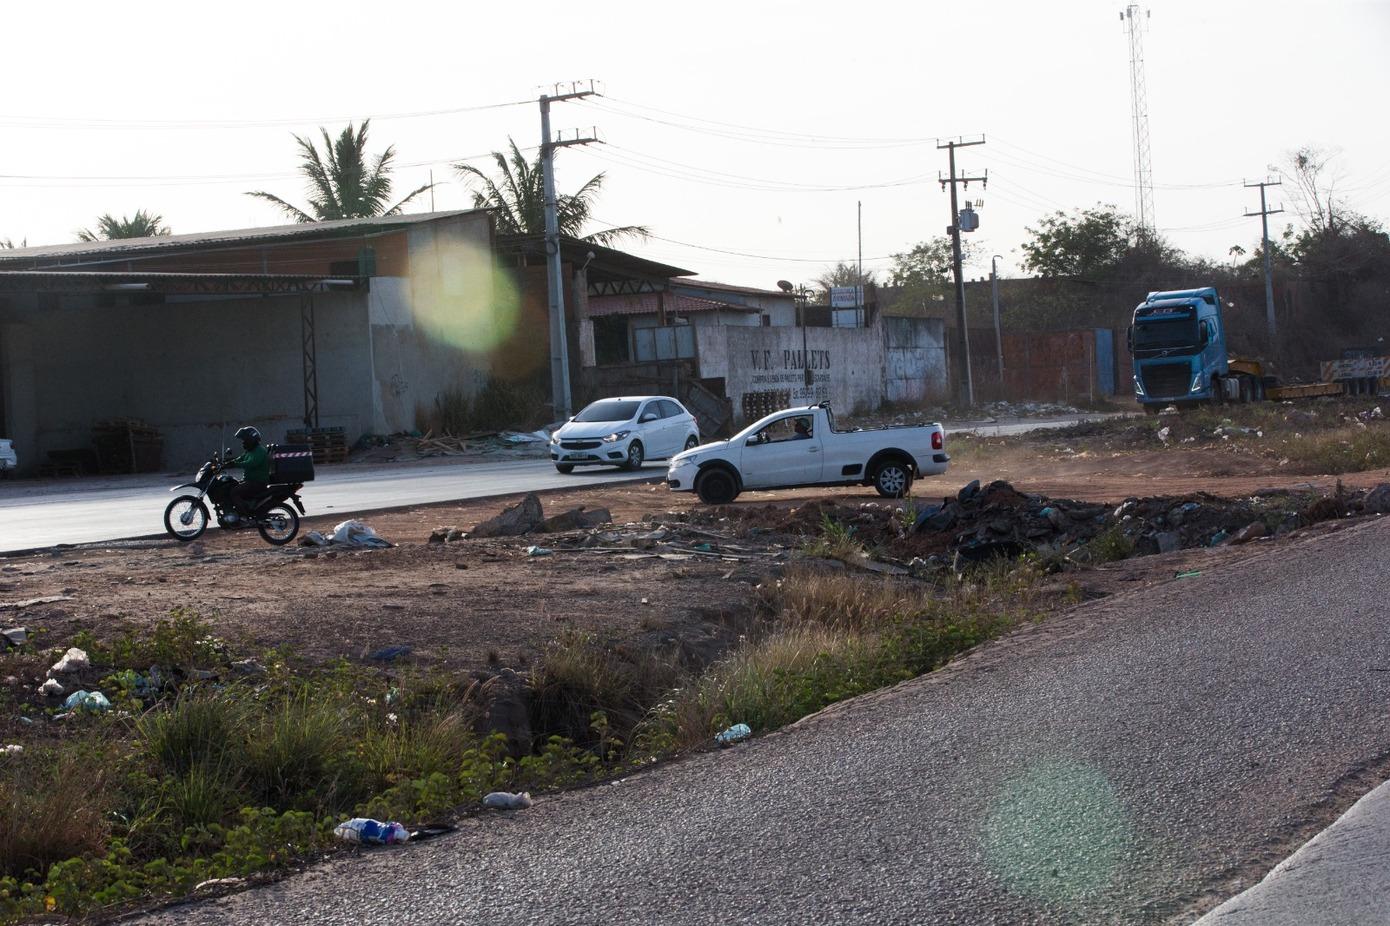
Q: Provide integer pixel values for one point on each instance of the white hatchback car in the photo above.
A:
(624, 432)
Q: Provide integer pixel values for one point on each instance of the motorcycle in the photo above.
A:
(187, 516)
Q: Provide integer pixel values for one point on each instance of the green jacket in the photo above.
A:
(256, 462)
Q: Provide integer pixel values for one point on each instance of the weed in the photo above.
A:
(294, 754)
(1110, 545)
(836, 541)
(199, 730)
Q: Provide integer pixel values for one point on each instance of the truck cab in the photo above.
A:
(1178, 342)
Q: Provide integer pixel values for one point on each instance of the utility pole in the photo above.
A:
(967, 384)
(1264, 214)
(559, 338)
(998, 335)
(859, 287)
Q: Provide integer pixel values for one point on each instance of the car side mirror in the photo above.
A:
(649, 416)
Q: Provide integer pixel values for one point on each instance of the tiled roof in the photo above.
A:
(646, 304)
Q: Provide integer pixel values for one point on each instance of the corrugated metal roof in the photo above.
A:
(51, 281)
(646, 304)
(129, 247)
(734, 288)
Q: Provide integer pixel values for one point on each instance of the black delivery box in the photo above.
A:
(291, 463)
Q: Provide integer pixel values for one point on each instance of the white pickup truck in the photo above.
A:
(800, 447)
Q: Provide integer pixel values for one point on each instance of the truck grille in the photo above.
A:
(1167, 379)
(579, 444)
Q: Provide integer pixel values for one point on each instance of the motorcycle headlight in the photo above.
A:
(616, 436)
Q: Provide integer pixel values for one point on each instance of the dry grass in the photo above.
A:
(50, 810)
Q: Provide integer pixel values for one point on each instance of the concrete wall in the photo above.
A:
(852, 368)
(914, 359)
(186, 368)
(433, 329)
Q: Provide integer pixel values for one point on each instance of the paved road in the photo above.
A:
(35, 514)
(1340, 878)
(1134, 761)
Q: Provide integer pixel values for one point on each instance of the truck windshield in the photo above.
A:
(1165, 335)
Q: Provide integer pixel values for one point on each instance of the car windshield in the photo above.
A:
(1165, 335)
(608, 410)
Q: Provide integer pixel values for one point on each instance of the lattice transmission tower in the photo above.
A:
(1135, 19)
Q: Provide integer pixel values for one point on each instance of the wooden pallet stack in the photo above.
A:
(329, 444)
(127, 445)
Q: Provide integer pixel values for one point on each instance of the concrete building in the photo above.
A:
(351, 324)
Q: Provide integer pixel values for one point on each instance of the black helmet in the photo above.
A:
(249, 437)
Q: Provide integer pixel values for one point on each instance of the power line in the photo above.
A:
(199, 179)
(769, 257)
(57, 122)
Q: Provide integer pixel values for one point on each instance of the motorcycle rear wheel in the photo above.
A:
(279, 525)
(186, 518)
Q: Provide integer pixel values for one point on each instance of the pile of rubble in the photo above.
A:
(994, 520)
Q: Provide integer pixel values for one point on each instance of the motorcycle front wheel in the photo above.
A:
(279, 525)
(186, 518)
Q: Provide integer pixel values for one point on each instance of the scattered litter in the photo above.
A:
(362, 831)
(31, 602)
(735, 734)
(390, 653)
(354, 533)
(74, 660)
(51, 689)
(217, 882)
(1163, 433)
(538, 551)
(1190, 574)
(13, 749)
(313, 539)
(244, 667)
(93, 701)
(431, 830)
(528, 437)
(15, 636)
(506, 800)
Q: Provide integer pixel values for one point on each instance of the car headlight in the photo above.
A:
(555, 438)
(1196, 383)
(616, 436)
(1138, 386)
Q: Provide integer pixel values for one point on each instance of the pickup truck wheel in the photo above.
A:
(716, 487)
(892, 479)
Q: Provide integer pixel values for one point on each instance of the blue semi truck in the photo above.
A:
(1178, 343)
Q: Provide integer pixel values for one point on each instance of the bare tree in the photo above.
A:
(1313, 187)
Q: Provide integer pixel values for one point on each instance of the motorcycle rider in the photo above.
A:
(256, 464)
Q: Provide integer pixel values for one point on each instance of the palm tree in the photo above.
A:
(517, 198)
(341, 185)
(140, 225)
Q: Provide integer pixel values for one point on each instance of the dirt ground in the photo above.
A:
(473, 602)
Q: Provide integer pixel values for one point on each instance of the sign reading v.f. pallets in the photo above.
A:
(784, 371)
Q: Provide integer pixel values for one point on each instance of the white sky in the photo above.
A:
(1232, 87)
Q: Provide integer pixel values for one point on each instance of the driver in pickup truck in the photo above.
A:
(802, 428)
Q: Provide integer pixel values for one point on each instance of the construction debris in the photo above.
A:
(521, 518)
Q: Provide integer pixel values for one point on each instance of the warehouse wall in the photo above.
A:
(186, 368)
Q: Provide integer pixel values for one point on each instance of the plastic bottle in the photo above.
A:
(371, 832)
(735, 734)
